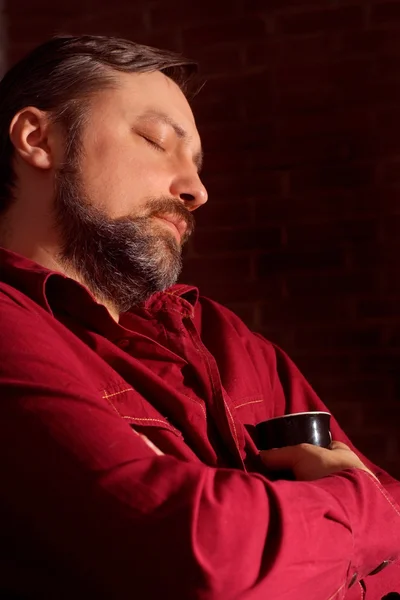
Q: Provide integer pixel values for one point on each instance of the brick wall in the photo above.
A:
(300, 120)
(3, 39)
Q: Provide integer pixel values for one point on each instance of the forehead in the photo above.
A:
(137, 93)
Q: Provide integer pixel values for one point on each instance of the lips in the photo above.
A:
(177, 225)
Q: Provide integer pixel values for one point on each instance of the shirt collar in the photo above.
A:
(33, 280)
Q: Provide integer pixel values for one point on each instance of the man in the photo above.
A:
(128, 403)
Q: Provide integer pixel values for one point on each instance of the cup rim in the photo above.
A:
(306, 412)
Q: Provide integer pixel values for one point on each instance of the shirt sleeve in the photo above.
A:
(90, 510)
(292, 393)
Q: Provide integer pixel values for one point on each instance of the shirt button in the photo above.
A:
(353, 580)
(380, 568)
(123, 343)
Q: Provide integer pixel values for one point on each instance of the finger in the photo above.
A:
(338, 446)
(280, 458)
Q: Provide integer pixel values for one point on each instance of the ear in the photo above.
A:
(29, 134)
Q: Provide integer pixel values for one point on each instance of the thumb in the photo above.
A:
(338, 446)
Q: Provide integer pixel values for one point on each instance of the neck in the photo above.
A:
(21, 239)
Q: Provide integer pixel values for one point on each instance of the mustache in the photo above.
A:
(168, 206)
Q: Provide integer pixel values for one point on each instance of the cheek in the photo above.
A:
(120, 174)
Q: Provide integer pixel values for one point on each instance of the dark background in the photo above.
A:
(300, 124)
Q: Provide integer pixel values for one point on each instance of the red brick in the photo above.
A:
(219, 104)
(223, 214)
(391, 229)
(237, 291)
(372, 443)
(390, 172)
(226, 31)
(168, 40)
(374, 94)
(351, 176)
(332, 233)
(215, 110)
(264, 52)
(300, 151)
(261, 5)
(294, 76)
(388, 198)
(226, 88)
(231, 186)
(203, 271)
(391, 335)
(242, 136)
(220, 60)
(379, 416)
(334, 121)
(352, 17)
(305, 310)
(390, 464)
(388, 67)
(338, 337)
(371, 42)
(390, 280)
(247, 312)
(384, 363)
(16, 8)
(387, 143)
(383, 255)
(301, 259)
(324, 284)
(308, 99)
(280, 51)
(15, 52)
(354, 71)
(385, 12)
(224, 162)
(324, 205)
(299, 208)
(347, 413)
(38, 28)
(352, 394)
(379, 308)
(229, 241)
(315, 365)
(280, 336)
(126, 25)
(396, 389)
(180, 11)
(365, 255)
(387, 118)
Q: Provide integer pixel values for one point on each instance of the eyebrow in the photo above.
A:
(182, 134)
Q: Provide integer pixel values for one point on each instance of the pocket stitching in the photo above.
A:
(129, 417)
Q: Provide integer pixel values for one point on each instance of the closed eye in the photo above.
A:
(153, 144)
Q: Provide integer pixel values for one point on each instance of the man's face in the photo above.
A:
(124, 200)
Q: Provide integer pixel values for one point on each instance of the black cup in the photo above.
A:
(297, 428)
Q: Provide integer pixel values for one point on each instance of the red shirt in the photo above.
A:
(90, 509)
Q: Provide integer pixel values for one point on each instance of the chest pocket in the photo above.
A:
(135, 409)
(251, 410)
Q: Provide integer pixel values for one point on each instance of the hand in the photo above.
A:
(308, 462)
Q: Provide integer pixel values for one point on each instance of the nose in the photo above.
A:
(190, 190)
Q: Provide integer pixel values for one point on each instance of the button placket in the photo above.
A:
(380, 567)
(353, 580)
(218, 408)
(123, 343)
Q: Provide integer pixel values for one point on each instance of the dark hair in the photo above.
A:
(59, 75)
